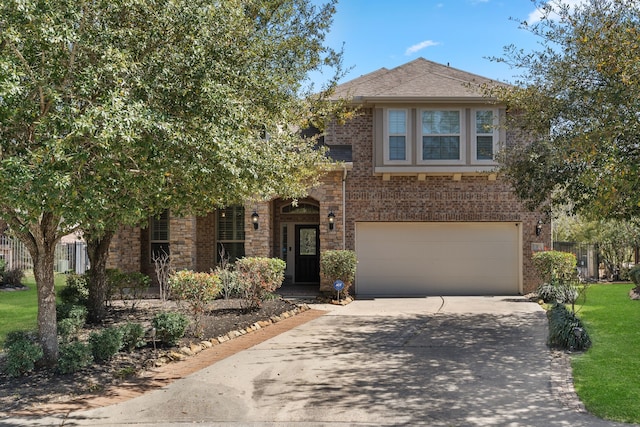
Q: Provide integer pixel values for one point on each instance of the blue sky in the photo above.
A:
(463, 33)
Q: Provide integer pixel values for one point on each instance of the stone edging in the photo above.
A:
(562, 382)
(183, 352)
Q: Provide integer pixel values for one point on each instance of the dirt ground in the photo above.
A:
(146, 368)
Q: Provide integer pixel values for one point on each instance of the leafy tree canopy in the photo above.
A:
(111, 110)
(578, 105)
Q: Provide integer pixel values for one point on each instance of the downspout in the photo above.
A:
(344, 206)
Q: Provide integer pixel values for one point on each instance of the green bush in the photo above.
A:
(73, 357)
(566, 331)
(105, 343)
(127, 286)
(71, 319)
(339, 265)
(132, 336)
(22, 353)
(15, 336)
(12, 277)
(562, 294)
(76, 292)
(197, 289)
(258, 278)
(634, 275)
(170, 327)
(556, 267)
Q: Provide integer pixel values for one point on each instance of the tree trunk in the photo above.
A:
(47, 326)
(98, 252)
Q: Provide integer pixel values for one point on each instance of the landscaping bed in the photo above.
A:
(223, 320)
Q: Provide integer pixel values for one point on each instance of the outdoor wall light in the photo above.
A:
(539, 227)
(332, 219)
(254, 219)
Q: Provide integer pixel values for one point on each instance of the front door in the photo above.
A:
(307, 254)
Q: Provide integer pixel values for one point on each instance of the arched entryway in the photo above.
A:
(297, 239)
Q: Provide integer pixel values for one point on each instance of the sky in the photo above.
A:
(461, 33)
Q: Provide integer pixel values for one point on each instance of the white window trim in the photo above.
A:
(496, 136)
(463, 139)
(407, 146)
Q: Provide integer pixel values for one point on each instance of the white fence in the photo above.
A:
(69, 257)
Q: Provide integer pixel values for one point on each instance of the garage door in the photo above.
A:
(426, 258)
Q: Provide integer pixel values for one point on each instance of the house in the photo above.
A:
(415, 194)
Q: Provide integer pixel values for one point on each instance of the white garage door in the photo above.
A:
(435, 258)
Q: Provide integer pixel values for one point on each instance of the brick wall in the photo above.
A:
(125, 250)
(436, 198)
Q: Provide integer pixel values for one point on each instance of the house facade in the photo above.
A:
(414, 192)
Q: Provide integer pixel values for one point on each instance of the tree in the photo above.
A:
(111, 111)
(578, 103)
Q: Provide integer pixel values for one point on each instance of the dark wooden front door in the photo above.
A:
(307, 254)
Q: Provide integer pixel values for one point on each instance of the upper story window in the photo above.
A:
(397, 149)
(442, 135)
(433, 138)
(485, 135)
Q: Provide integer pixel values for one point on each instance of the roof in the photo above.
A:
(416, 79)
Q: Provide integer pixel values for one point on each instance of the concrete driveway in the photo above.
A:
(452, 361)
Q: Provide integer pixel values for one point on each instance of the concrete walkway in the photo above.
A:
(452, 361)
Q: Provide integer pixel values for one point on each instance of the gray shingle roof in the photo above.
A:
(416, 79)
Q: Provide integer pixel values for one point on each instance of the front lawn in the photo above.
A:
(19, 309)
(607, 376)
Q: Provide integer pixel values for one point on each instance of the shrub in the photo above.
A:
(170, 327)
(74, 356)
(127, 286)
(105, 344)
(71, 319)
(259, 277)
(229, 283)
(339, 265)
(76, 291)
(634, 275)
(556, 267)
(22, 353)
(132, 336)
(15, 336)
(562, 294)
(3, 265)
(197, 289)
(12, 277)
(566, 330)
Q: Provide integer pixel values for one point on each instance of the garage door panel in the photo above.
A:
(437, 258)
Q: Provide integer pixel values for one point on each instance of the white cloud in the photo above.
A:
(536, 15)
(422, 45)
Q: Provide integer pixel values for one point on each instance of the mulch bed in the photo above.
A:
(44, 386)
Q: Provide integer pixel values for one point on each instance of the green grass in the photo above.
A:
(607, 376)
(19, 309)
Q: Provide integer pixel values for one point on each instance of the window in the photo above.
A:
(396, 150)
(441, 135)
(230, 233)
(159, 232)
(485, 137)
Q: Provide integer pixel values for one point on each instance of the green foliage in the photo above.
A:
(231, 286)
(132, 336)
(634, 275)
(105, 343)
(73, 357)
(108, 125)
(170, 327)
(197, 289)
(556, 267)
(22, 354)
(576, 104)
(259, 277)
(339, 265)
(127, 286)
(76, 291)
(566, 330)
(12, 277)
(71, 319)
